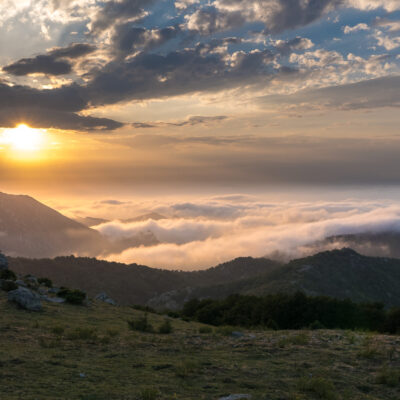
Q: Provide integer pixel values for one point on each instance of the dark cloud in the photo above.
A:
(128, 38)
(277, 16)
(115, 11)
(39, 64)
(295, 13)
(43, 118)
(191, 121)
(74, 50)
(55, 62)
(55, 108)
(149, 76)
(209, 20)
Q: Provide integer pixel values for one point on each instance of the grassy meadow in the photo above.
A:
(90, 353)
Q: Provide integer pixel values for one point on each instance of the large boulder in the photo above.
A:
(26, 299)
(3, 262)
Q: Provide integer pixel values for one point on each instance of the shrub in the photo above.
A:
(205, 329)
(7, 286)
(166, 327)
(8, 275)
(271, 324)
(316, 325)
(320, 387)
(72, 296)
(392, 322)
(141, 324)
(45, 282)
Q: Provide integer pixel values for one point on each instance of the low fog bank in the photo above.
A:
(201, 234)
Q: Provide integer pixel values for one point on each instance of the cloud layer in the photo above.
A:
(204, 233)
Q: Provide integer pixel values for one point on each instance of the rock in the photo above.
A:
(237, 334)
(42, 291)
(103, 297)
(53, 290)
(236, 397)
(20, 282)
(82, 375)
(56, 300)
(3, 262)
(26, 299)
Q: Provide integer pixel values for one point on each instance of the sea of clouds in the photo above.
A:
(203, 233)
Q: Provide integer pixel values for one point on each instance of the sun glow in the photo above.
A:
(24, 139)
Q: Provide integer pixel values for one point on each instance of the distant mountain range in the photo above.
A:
(338, 273)
(29, 229)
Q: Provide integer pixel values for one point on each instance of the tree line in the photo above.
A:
(293, 311)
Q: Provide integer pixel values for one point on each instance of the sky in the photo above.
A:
(177, 100)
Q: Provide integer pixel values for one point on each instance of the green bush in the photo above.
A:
(8, 274)
(392, 322)
(45, 282)
(316, 325)
(141, 324)
(7, 286)
(166, 327)
(72, 296)
(271, 324)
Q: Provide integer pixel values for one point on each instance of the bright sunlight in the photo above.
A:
(24, 139)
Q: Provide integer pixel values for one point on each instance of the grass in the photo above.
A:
(75, 353)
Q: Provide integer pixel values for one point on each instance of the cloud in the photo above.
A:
(367, 94)
(129, 38)
(190, 121)
(277, 16)
(114, 12)
(56, 108)
(257, 229)
(357, 28)
(55, 62)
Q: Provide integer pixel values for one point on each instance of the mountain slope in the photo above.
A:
(338, 273)
(134, 284)
(31, 229)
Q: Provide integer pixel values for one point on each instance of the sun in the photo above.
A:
(24, 138)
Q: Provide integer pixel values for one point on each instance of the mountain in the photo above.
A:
(383, 244)
(91, 221)
(134, 284)
(339, 273)
(31, 229)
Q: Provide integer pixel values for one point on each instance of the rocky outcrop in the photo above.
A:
(104, 298)
(26, 299)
